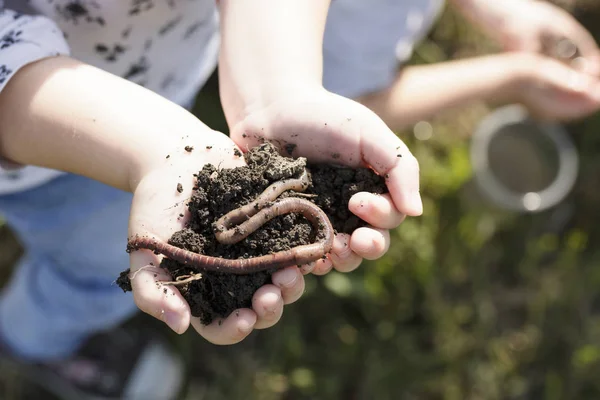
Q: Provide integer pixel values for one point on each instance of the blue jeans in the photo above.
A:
(74, 231)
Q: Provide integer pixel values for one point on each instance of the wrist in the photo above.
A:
(524, 73)
(269, 49)
(188, 146)
(282, 89)
(185, 138)
(277, 92)
(262, 116)
(514, 73)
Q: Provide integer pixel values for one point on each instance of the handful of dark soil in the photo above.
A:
(217, 192)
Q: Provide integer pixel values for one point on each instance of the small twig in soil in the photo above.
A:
(183, 280)
(254, 215)
(177, 204)
(138, 271)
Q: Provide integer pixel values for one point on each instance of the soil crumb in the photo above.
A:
(219, 191)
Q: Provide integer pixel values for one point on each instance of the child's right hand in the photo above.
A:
(156, 209)
(552, 90)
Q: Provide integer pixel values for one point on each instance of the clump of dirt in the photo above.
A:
(217, 192)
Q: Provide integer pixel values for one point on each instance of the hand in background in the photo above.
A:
(528, 25)
(552, 90)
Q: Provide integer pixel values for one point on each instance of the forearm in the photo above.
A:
(269, 47)
(490, 16)
(420, 92)
(59, 113)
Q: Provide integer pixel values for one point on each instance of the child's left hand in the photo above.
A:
(330, 128)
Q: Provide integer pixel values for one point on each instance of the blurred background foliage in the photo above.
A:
(471, 302)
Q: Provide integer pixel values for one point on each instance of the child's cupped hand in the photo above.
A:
(324, 127)
(156, 211)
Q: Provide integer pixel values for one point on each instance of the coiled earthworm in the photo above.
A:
(223, 228)
(296, 256)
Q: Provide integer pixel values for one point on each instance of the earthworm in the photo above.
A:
(296, 256)
(227, 234)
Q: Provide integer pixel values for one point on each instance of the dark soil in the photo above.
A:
(217, 192)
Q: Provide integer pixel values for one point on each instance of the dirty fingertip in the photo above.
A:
(341, 246)
(176, 321)
(322, 266)
(359, 203)
(245, 321)
(307, 268)
(286, 277)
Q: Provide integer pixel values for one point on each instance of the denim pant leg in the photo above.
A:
(74, 231)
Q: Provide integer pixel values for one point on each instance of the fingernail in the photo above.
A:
(580, 64)
(289, 278)
(415, 203)
(307, 268)
(244, 327)
(173, 320)
(271, 301)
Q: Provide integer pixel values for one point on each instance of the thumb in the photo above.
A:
(163, 302)
(383, 150)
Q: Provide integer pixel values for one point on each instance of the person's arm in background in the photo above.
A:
(60, 113)
(523, 25)
(547, 87)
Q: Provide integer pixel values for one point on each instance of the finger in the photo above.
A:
(342, 256)
(267, 303)
(307, 268)
(233, 329)
(291, 282)
(370, 243)
(390, 157)
(560, 76)
(162, 302)
(377, 210)
(574, 106)
(322, 266)
(578, 93)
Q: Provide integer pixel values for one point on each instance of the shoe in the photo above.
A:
(124, 364)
